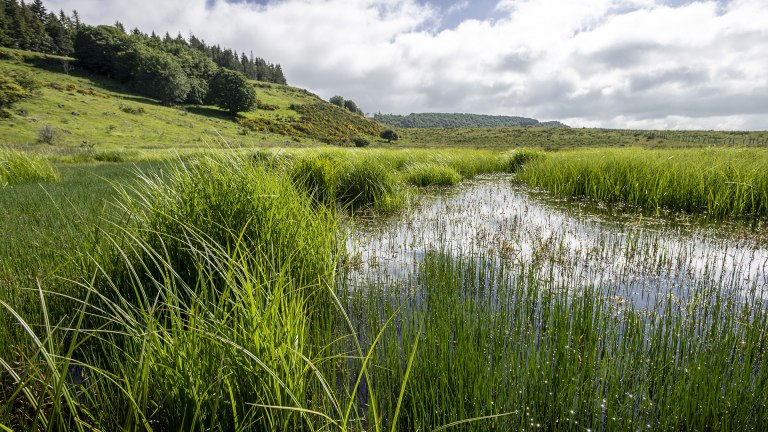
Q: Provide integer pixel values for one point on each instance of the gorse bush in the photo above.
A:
(721, 182)
(18, 167)
(15, 85)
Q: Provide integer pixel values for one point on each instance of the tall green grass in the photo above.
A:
(18, 167)
(430, 174)
(202, 323)
(557, 356)
(721, 182)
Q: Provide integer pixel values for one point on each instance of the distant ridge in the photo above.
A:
(456, 120)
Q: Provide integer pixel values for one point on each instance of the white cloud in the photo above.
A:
(610, 63)
(457, 7)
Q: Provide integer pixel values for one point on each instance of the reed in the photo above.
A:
(720, 182)
(510, 343)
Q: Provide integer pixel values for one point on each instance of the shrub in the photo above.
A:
(131, 110)
(10, 91)
(266, 107)
(48, 135)
(431, 174)
(389, 135)
(361, 141)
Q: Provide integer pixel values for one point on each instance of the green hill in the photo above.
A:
(445, 120)
(85, 111)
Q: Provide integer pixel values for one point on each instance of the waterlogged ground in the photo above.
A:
(634, 257)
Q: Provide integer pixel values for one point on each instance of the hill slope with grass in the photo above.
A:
(72, 114)
(457, 120)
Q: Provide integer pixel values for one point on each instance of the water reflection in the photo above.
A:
(634, 256)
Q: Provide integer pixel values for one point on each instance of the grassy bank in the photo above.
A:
(718, 181)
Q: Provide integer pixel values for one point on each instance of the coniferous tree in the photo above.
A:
(35, 29)
(39, 10)
(76, 20)
(5, 27)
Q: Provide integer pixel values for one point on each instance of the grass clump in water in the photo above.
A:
(431, 174)
(719, 181)
(366, 182)
(18, 167)
(516, 159)
(317, 175)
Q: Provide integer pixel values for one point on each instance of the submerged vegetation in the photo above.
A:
(234, 291)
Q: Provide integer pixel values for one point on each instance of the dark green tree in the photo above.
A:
(39, 10)
(19, 33)
(5, 27)
(350, 106)
(76, 20)
(337, 100)
(59, 36)
(389, 135)
(96, 48)
(156, 74)
(361, 141)
(230, 90)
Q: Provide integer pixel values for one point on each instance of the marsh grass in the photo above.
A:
(564, 356)
(423, 174)
(721, 182)
(19, 167)
(516, 159)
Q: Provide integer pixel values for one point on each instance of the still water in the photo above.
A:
(633, 255)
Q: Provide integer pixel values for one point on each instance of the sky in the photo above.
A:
(645, 64)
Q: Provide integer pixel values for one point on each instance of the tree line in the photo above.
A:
(347, 104)
(170, 69)
(446, 120)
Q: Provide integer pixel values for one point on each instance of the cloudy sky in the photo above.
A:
(673, 64)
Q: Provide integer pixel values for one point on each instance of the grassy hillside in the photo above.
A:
(573, 138)
(94, 117)
(87, 111)
(457, 120)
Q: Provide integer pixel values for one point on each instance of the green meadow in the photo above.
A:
(165, 268)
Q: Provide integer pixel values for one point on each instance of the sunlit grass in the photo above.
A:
(19, 167)
(718, 181)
